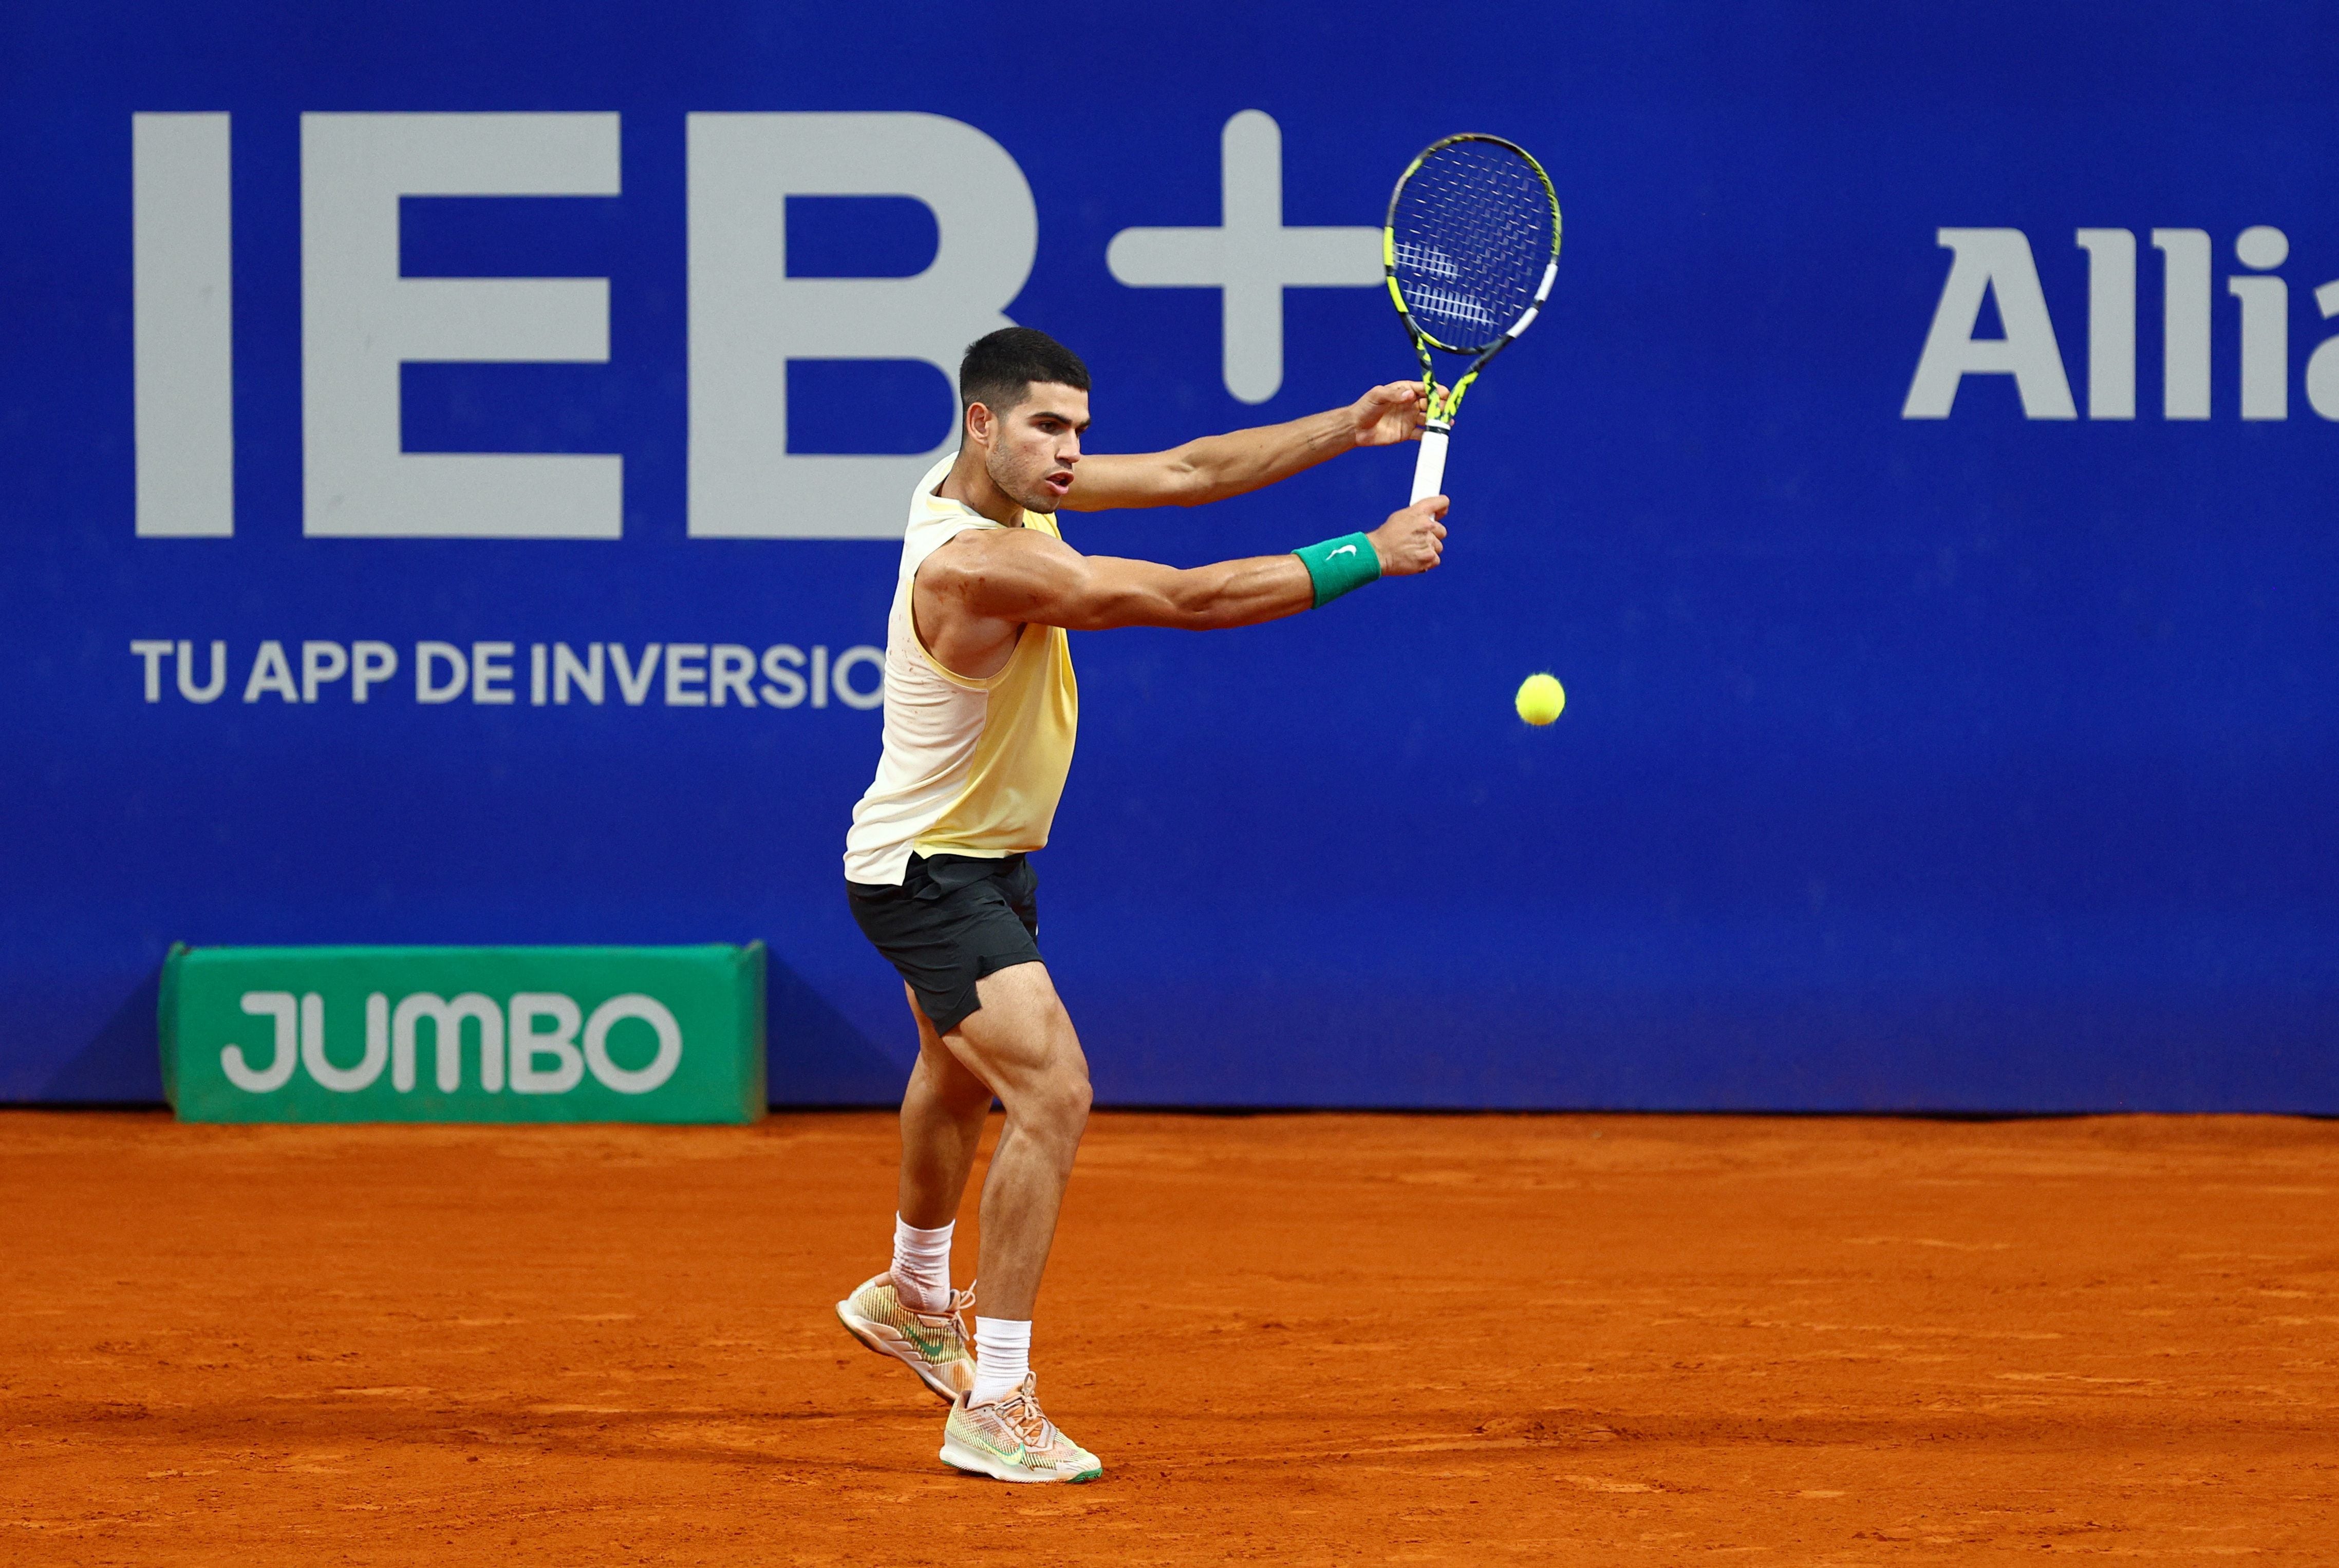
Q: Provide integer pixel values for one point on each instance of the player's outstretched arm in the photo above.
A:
(1024, 576)
(1217, 466)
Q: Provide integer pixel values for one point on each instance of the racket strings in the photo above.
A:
(1471, 232)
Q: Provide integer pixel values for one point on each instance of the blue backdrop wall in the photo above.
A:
(1962, 738)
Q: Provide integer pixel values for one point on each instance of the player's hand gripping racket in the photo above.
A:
(1471, 245)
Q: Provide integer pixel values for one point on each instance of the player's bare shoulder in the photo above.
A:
(1007, 574)
(978, 561)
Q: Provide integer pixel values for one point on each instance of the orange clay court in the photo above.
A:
(1310, 1339)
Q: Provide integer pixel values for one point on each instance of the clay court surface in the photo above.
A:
(1299, 1339)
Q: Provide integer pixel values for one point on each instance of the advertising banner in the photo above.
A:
(464, 1034)
(453, 458)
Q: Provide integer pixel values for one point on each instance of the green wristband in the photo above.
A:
(1336, 566)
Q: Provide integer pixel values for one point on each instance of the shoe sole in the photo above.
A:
(959, 1457)
(884, 1342)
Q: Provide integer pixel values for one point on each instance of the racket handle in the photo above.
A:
(1429, 468)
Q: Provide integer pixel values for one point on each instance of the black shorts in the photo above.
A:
(954, 920)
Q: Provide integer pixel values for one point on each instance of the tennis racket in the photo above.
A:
(1471, 246)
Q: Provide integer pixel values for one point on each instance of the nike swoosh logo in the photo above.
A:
(933, 1346)
(1018, 1452)
(1343, 550)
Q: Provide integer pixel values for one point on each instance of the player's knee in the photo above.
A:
(1076, 1101)
(1058, 1109)
(1068, 1070)
(1067, 1101)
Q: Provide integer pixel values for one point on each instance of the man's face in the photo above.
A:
(1034, 445)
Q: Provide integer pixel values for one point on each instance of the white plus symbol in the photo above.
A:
(1251, 258)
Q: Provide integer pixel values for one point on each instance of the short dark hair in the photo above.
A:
(1000, 368)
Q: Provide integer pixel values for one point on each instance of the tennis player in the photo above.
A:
(980, 713)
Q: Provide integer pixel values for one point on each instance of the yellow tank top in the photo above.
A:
(971, 767)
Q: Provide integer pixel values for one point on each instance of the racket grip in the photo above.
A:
(1429, 468)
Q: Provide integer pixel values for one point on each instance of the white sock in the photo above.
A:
(1002, 1355)
(922, 1266)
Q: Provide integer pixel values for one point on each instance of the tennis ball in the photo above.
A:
(1540, 699)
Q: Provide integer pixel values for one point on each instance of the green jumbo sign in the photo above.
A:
(464, 1033)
